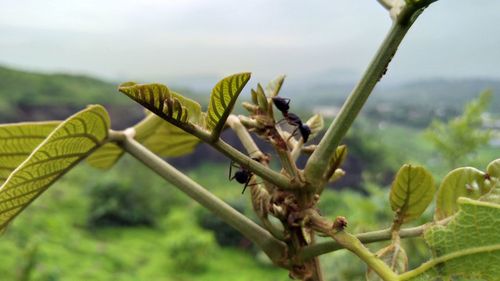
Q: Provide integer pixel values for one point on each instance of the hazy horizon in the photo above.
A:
(175, 40)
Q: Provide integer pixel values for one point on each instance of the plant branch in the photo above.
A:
(250, 146)
(318, 161)
(386, 3)
(353, 244)
(368, 237)
(264, 172)
(274, 248)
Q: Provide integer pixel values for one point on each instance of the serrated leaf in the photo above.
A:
(274, 87)
(18, 140)
(394, 256)
(462, 182)
(411, 192)
(467, 247)
(493, 169)
(222, 101)
(168, 105)
(66, 145)
(316, 124)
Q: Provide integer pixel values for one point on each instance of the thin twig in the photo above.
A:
(367, 237)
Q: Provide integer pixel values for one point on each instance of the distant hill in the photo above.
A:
(35, 96)
(415, 103)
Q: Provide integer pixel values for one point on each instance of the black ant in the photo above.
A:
(243, 175)
(283, 105)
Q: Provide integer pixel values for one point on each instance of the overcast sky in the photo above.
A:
(154, 39)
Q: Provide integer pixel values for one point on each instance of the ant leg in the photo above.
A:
(231, 170)
(246, 184)
(281, 121)
(293, 134)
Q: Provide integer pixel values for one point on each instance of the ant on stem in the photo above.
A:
(243, 175)
(283, 105)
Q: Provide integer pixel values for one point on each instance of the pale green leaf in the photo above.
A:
(462, 182)
(467, 247)
(411, 192)
(168, 105)
(167, 140)
(222, 101)
(68, 144)
(156, 134)
(493, 169)
(18, 140)
(335, 161)
(394, 256)
(105, 156)
(261, 98)
(274, 87)
(316, 124)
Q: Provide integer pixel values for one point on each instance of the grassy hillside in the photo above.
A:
(30, 88)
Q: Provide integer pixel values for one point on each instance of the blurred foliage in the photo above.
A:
(225, 235)
(117, 200)
(192, 247)
(458, 139)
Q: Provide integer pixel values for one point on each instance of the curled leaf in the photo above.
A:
(168, 105)
(274, 87)
(462, 182)
(261, 99)
(412, 192)
(222, 101)
(335, 161)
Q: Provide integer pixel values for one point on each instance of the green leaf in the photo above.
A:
(18, 140)
(411, 192)
(156, 134)
(222, 101)
(462, 182)
(105, 156)
(166, 139)
(467, 247)
(493, 169)
(394, 256)
(261, 98)
(67, 145)
(274, 87)
(168, 105)
(335, 161)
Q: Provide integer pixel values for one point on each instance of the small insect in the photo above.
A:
(243, 175)
(282, 104)
(295, 120)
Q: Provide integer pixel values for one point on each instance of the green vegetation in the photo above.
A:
(462, 136)
(170, 237)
